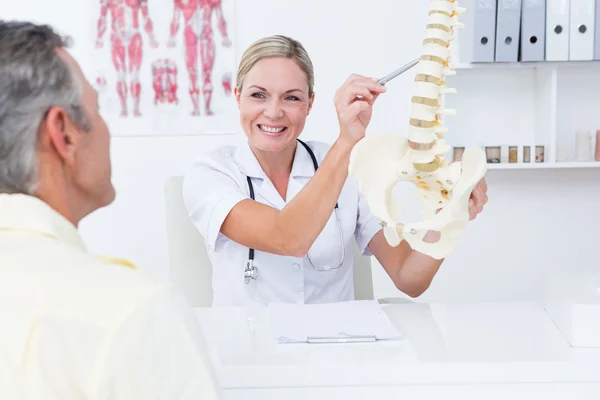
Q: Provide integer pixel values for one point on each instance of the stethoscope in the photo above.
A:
(250, 270)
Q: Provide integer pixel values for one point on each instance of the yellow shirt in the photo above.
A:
(74, 326)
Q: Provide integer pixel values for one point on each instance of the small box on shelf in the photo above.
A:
(539, 154)
(526, 154)
(513, 154)
(493, 154)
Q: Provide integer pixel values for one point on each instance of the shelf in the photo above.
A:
(546, 165)
(526, 65)
(523, 104)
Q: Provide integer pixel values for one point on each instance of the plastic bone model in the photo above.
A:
(380, 161)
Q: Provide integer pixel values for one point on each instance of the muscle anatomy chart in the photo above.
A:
(164, 67)
(200, 45)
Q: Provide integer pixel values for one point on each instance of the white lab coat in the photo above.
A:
(78, 326)
(216, 181)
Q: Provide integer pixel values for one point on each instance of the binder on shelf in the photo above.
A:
(533, 34)
(581, 41)
(597, 31)
(557, 29)
(484, 37)
(508, 30)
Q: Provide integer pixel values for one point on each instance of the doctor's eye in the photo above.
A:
(258, 95)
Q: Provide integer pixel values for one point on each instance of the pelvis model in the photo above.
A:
(380, 161)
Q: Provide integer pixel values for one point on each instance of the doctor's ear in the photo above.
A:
(237, 93)
(310, 103)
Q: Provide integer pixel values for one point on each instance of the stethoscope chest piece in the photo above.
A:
(250, 271)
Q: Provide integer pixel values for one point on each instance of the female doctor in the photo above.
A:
(277, 214)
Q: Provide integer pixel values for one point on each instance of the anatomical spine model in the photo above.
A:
(199, 40)
(379, 162)
(126, 41)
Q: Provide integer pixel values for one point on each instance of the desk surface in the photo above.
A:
(488, 343)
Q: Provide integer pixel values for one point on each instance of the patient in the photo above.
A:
(74, 326)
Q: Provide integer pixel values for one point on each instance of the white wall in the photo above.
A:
(535, 220)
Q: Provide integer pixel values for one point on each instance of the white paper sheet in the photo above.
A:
(296, 323)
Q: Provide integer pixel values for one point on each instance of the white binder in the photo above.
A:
(557, 29)
(581, 41)
(533, 34)
(484, 35)
(597, 32)
(508, 31)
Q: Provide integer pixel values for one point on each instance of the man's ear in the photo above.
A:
(61, 134)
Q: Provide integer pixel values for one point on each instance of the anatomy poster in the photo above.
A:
(164, 67)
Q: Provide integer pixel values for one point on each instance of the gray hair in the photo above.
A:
(276, 46)
(33, 79)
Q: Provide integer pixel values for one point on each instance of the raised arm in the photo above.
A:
(293, 230)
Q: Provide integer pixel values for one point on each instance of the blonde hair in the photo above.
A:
(276, 46)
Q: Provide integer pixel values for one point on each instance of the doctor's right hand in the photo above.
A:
(354, 105)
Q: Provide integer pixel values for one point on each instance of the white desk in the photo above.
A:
(482, 351)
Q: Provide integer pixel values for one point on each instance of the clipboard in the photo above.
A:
(361, 321)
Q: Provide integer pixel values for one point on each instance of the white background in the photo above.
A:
(536, 220)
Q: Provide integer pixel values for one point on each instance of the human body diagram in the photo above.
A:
(200, 47)
(127, 19)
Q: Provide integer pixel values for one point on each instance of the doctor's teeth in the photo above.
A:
(270, 130)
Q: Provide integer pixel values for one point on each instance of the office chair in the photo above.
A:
(189, 265)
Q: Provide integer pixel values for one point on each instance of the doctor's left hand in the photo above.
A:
(478, 199)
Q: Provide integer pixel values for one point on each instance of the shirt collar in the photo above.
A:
(249, 165)
(21, 212)
(303, 164)
(247, 162)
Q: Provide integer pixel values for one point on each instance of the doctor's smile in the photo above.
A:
(272, 131)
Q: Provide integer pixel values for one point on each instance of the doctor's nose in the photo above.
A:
(273, 109)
